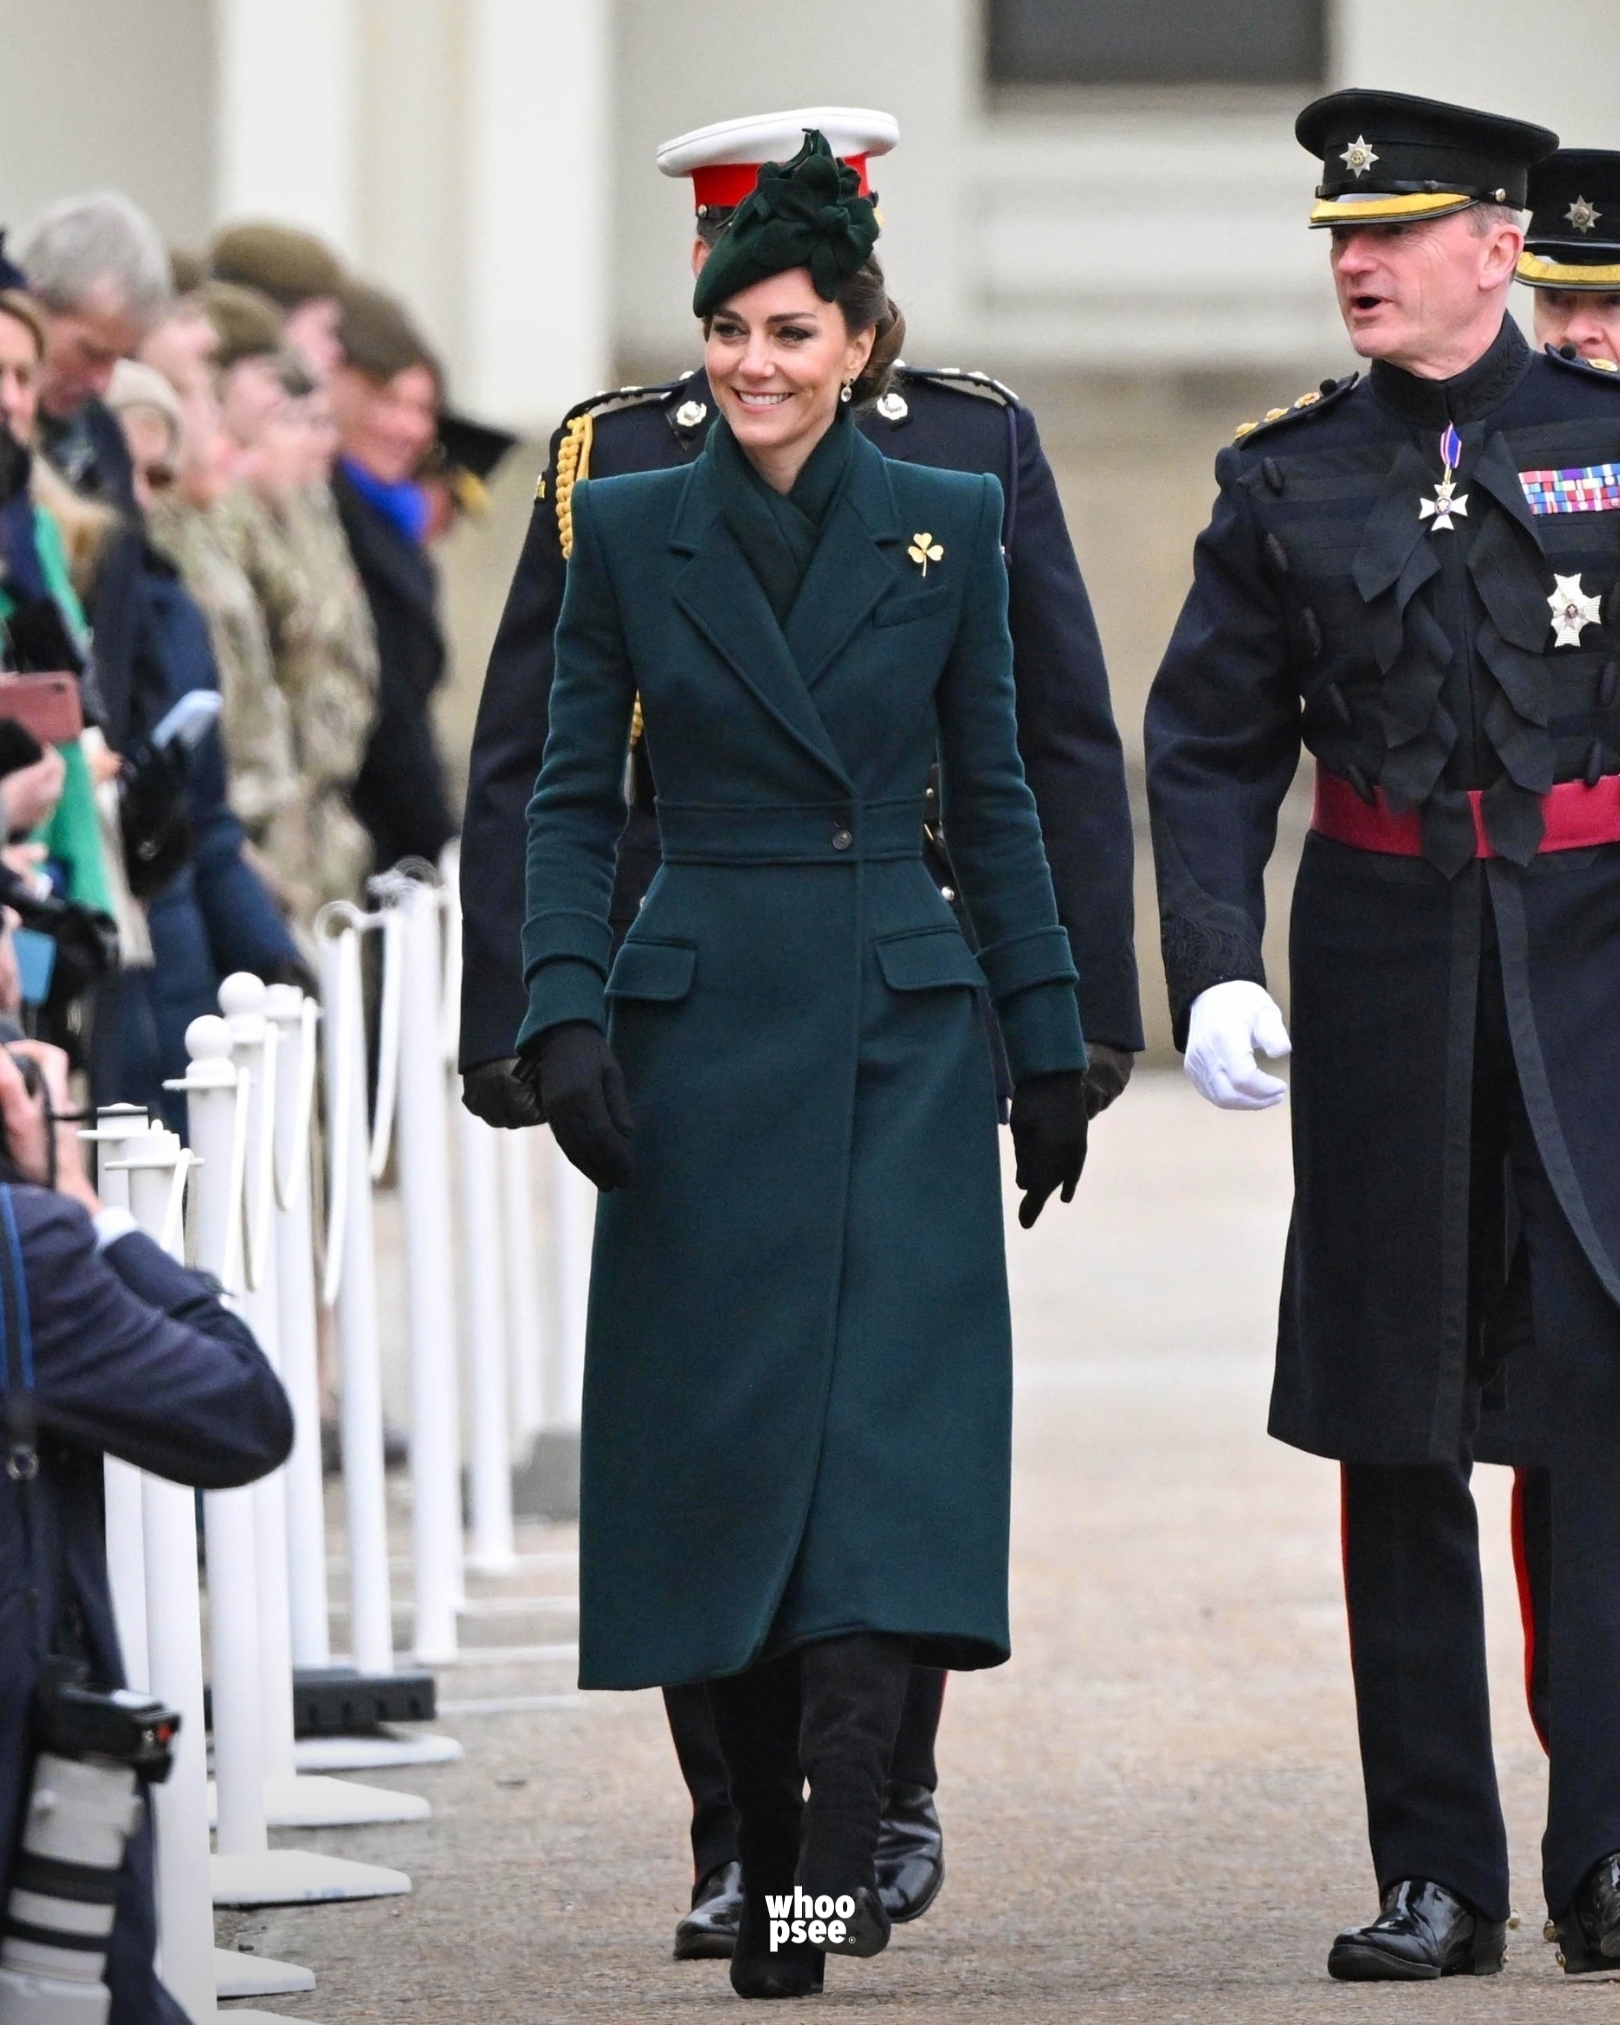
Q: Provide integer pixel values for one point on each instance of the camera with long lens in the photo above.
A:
(95, 1750)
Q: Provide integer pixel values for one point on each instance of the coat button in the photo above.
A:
(842, 839)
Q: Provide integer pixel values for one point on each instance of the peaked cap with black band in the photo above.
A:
(1574, 236)
(1390, 159)
(808, 212)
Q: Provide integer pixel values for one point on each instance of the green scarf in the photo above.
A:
(777, 532)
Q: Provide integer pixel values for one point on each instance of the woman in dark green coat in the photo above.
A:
(798, 1375)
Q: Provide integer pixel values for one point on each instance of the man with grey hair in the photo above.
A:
(97, 270)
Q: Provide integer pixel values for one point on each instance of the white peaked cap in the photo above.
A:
(853, 133)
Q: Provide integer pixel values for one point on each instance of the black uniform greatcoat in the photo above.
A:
(1067, 737)
(1326, 609)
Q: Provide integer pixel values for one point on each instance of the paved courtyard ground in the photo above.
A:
(1153, 1813)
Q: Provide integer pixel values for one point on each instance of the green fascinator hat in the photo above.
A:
(805, 213)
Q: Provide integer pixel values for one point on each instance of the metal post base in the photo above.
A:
(300, 1877)
(239, 1975)
(373, 1751)
(330, 1803)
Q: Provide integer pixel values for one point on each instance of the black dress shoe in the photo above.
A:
(866, 1931)
(1423, 1933)
(910, 1852)
(708, 1933)
(1588, 1935)
(792, 1970)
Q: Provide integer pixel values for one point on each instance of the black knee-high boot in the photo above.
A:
(854, 1690)
(756, 1718)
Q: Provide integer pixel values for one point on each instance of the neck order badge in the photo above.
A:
(1445, 502)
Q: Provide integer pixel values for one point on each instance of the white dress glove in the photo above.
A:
(1231, 1024)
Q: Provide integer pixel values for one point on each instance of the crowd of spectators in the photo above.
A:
(222, 474)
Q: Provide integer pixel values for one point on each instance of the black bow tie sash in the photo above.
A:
(1503, 557)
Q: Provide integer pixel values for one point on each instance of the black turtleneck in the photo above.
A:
(1467, 396)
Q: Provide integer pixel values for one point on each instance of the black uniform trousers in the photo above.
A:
(1411, 1560)
(714, 1819)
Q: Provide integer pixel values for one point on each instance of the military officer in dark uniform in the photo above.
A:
(956, 420)
(1415, 573)
(1571, 260)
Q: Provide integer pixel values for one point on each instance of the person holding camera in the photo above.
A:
(109, 1348)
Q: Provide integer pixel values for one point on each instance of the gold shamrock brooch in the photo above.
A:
(924, 550)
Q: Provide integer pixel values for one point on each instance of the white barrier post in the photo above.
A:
(116, 1125)
(520, 1249)
(151, 1168)
(484, 1279)
(493, 1550)
(351, 1283)
(573, 1226)
(349, 1291)
(425, 1191)
(245, 1871)
(291, 1800)
(295, 1018)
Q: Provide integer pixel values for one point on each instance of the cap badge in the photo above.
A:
(1358, 158)
(924, 550)
(1445, 502)
(1571, 610)
(1583, 214)
(893, 407)
(690, 413)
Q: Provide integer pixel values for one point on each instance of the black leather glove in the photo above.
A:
(495, 1092)
(1049, 1138)
(1108, 1070)
(582, 1095)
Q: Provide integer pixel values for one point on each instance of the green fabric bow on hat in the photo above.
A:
(805, 213)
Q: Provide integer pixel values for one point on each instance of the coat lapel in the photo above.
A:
(849, 571)
(722, 597)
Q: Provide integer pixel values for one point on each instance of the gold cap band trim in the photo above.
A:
(1541, 273)
(1390, 210)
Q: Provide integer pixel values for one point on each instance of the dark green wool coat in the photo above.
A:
(798, 1373)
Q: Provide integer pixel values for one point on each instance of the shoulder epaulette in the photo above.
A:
(963, 380)
(571, 460)
(1316, 402)
(1574, 363)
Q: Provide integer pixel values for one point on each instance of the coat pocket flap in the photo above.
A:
(911, 605)
(656, 970)
(928, 960)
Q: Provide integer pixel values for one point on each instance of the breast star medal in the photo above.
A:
(1571, 610)
(1583, 214)
(1358, 158)
(1446, 502)
(924, 550)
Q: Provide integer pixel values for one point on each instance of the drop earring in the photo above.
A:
(848, 392)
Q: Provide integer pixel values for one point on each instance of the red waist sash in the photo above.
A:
(1576, 816)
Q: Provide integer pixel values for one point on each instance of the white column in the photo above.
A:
(538, 125)
(287, 114)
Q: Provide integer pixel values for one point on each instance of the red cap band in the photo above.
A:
(725, 184)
